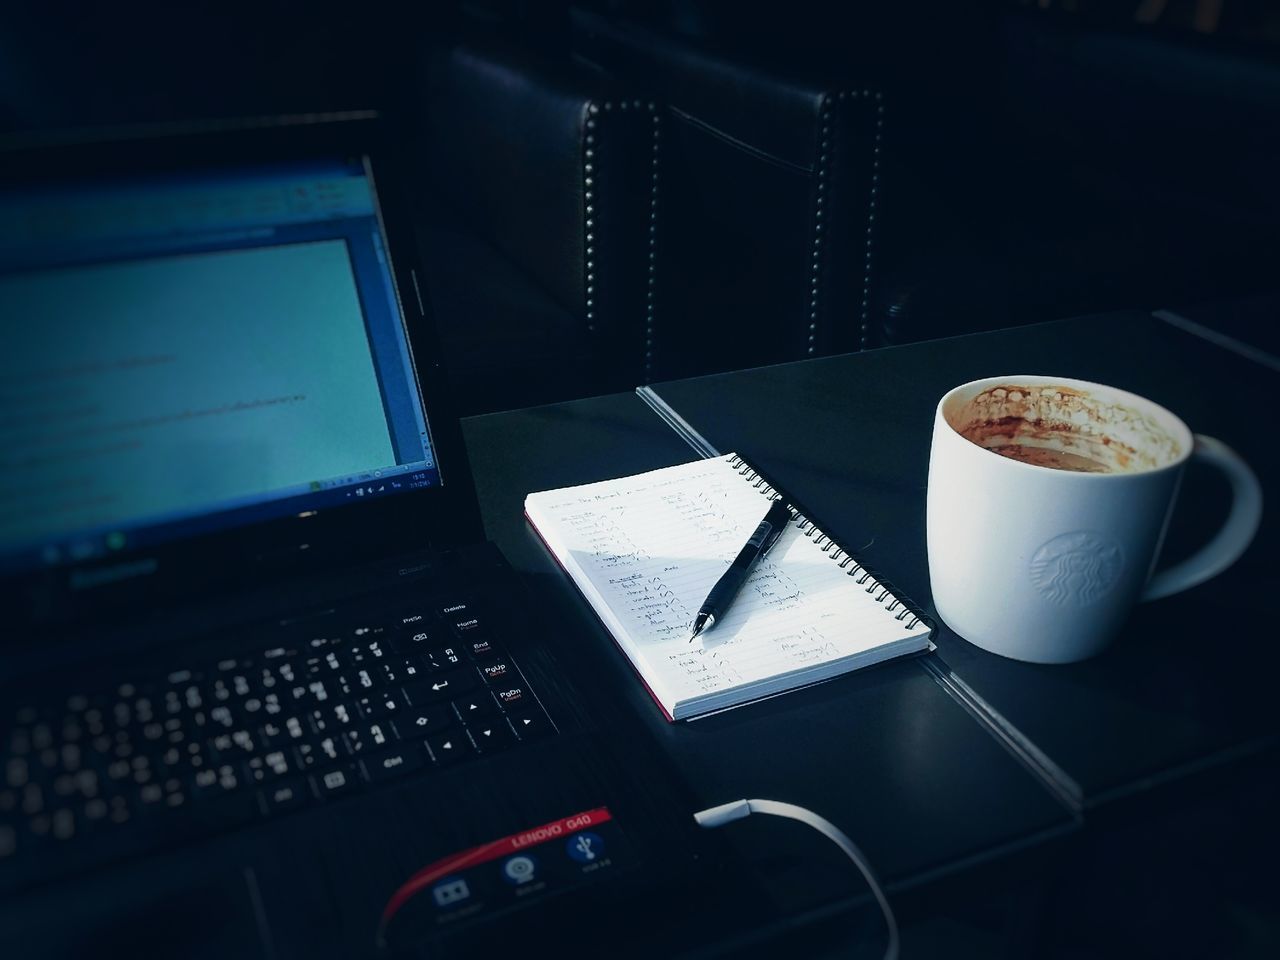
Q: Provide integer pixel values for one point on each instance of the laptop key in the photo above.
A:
(362, 654)
(269, 767)
(320, 641)
(439, 659)
(455, 610)
(367, 737)
(319, 754)
(440, 687)
(498, 670)
(467, 626)
(513, 697)
(215, 781)
(477, 706)
(236, 744)
(364, 679)
(62, 824)
(409, 643)
(336, 781)
(397, 669)
(320, 666)
(367, 630)
(413, 619)
(287, 794)
(396, 763)
(150, 795)
(423, 721)
(278, 733)
(530, 724)
(17, 772)
(380, 705)
(492, 735)
(331, 719)
(447, 748)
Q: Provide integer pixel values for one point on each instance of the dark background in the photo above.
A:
(1043, 159)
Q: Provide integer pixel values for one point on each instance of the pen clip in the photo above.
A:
(777, 518)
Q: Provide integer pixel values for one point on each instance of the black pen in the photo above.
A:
(727, 587)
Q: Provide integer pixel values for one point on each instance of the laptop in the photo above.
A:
(265, 690)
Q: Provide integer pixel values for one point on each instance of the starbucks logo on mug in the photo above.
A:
(1077, 568)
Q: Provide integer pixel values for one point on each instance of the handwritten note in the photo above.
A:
(645, 551)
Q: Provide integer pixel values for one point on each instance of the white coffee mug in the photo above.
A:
(1041, 563)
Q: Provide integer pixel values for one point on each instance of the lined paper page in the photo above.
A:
(649, 548)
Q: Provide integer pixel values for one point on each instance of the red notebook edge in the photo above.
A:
(551, 553)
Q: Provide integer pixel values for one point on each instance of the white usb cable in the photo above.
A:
(728, 812)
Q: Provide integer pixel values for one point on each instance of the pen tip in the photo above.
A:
(700, 623)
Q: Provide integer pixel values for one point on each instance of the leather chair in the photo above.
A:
(539, 225)
(769, 202)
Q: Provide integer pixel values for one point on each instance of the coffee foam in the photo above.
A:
(1065, 419)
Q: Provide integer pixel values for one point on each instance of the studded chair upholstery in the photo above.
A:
(768, 203)
(539, 225)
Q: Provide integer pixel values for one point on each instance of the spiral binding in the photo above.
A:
(846, 561)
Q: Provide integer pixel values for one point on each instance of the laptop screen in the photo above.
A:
(189, 353)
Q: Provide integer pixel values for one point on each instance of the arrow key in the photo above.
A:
(492, 735)
(475, 707)
(449, 748)
(530, 724)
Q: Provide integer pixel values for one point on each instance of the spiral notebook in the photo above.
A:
(645, 550)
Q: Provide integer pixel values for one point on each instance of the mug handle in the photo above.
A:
(1234, 537)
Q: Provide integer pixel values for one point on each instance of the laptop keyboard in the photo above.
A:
(320, 716)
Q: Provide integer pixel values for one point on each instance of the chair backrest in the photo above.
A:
(766, 205)
(554, 168)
